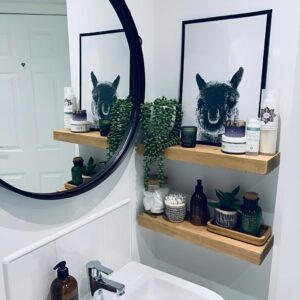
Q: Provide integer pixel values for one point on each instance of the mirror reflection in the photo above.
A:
(49, 138)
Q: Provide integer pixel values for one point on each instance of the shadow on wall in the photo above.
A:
(30, 212)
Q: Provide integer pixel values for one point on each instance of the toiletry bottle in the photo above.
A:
(252, 137)
(199, 208)
(64, 287)
(269, 115)
(77, 170)
(251, 214)
(69, 106)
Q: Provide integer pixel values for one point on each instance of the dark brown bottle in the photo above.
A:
(199, 207)
(64, 287)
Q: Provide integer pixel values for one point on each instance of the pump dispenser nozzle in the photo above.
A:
(64, 287)
(62, 270)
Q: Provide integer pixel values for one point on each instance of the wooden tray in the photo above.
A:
(68, 185)
(265, 233)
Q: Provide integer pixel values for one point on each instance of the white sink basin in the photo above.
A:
(145, 283)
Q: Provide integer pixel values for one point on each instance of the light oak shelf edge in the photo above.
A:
(91, 138)
(214, 157)
(200, 236)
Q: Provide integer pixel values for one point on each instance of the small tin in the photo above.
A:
(80, 126)
(233, 145)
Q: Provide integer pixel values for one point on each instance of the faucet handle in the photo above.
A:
(96, 265)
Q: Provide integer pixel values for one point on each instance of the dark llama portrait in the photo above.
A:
(104, 97)
(217, 102)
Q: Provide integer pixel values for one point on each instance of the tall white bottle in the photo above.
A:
(69, 106)
(269, 116)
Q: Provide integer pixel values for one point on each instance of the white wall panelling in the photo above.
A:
(104, 236)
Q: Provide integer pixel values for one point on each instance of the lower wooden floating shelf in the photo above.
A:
(200, 236)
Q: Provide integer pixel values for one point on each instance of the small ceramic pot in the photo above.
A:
(225, 218)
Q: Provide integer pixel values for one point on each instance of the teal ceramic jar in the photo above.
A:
(77, 170)
(251, 214)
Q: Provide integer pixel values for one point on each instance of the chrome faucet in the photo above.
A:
(98, 283)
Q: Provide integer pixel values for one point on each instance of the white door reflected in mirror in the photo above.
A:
(35, 66)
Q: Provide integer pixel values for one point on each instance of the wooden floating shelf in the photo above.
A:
(91, 138)
(200, 236)
(214, 157)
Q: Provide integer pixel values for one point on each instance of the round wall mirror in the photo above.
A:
(36, 150)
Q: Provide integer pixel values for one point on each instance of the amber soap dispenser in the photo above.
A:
(199, 208)
(64, 287)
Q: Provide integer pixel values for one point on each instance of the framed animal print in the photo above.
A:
(104, 72)
(223, 70)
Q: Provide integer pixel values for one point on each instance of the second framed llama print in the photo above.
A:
(223, 70)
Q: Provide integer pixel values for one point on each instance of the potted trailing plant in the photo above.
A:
(91, 168)
(227, 208)
(161, 122)
(120, 118)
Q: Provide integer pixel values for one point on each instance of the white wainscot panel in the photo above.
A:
(117, 237)
(29, 276)
(79, 247)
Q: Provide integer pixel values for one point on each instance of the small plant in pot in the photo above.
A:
(227, 208)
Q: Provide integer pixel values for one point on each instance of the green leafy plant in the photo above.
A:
(161, 122)
(120, 118)
(91, 168)
(227, 201)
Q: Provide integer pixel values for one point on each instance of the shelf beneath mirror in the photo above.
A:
(213, 156)
(200, 236)
(91, 138)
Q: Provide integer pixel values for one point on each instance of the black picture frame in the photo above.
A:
(137, 93)
(202, 48)
(85, 95)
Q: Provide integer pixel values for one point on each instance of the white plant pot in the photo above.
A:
(225, 218)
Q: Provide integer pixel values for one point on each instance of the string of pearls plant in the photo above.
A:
(120, 117)
(161, 122)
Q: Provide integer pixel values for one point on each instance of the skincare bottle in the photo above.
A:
(269, 115)
(64, 287)
(69, 106)
(251, 214)
(199, 208)
(252, 137)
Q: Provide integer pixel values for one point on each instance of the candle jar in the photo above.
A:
(251, 214)
(104, 125)
(188, 136)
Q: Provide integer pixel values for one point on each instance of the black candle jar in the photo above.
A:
(104, 125)
(188, 136)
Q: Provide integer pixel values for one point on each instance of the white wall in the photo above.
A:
(232, 278)
(23, 221)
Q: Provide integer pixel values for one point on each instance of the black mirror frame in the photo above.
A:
(137, 93)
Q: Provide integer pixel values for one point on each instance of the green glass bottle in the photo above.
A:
(77, 170)
(251, 214)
